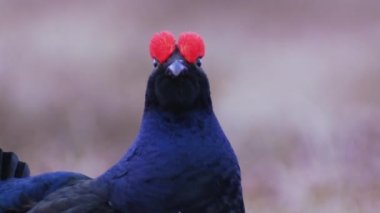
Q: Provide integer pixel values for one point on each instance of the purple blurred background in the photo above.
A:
(295, 85)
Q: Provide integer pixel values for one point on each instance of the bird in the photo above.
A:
(180, 160)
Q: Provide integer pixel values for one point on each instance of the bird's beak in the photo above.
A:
(176, 68)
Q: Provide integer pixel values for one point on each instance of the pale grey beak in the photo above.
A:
(176, 68)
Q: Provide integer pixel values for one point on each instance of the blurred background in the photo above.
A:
(295, 85)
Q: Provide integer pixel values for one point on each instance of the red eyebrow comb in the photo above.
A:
(162, 46)
(191, 46)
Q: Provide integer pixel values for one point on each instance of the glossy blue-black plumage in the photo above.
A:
(178, 163)
(11, 167)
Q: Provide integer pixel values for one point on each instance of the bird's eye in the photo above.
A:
(199, 62)
(155, 63)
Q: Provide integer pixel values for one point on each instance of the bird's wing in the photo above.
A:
(84, 196)
(50, 192)
(20, 194)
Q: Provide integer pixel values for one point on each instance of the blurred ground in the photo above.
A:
(294, 84)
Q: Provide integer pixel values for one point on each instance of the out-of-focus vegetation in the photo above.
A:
(295, 85)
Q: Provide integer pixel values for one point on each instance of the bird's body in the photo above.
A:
(160, 172)
(180, 161)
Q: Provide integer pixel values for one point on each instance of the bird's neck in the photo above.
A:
(156, 120)
(190, 130)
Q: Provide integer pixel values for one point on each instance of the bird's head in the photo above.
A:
(177, 82)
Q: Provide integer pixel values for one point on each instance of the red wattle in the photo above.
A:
(191, 46)
(162, 46)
